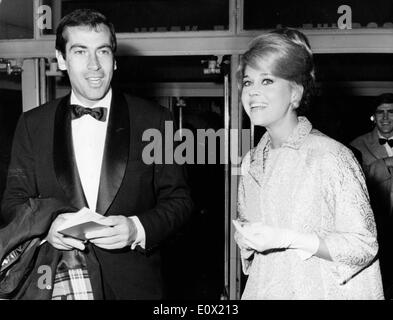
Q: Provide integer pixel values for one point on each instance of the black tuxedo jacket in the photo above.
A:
(43, 166)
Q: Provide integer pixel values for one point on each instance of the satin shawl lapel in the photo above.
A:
(115, 158)
(64, 158)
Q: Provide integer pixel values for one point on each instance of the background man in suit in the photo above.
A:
(376, 148)
(86, 150)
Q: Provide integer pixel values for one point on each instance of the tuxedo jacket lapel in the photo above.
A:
(116, 151)
(63, 156)
(378, 150)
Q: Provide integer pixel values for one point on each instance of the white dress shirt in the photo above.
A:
(88, 137)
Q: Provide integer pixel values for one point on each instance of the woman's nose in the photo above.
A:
(254, 91)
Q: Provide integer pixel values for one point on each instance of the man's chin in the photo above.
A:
(386, 131)
(97, 95)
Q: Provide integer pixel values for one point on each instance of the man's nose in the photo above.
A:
(385, 115)
(94, 63)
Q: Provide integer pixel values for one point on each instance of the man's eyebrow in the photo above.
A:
(105, 46)
(77, 45)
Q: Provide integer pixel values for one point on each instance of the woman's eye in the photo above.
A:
(267, 81)
(246, 83)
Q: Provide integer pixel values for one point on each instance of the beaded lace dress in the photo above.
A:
(310, 184)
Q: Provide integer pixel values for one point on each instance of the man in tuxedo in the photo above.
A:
(85, 150)
(376, 148)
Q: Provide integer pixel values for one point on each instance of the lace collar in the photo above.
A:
(294, 141)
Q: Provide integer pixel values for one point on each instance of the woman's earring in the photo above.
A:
(294, 105)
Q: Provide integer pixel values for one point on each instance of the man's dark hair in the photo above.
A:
(83, 17)
(383, 98)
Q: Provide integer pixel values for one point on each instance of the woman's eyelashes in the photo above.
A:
(264, 82)
(246, 83)
(267, 81)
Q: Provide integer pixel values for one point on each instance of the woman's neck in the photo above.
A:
(281, 130)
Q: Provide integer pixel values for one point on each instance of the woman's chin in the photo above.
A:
(257, 121)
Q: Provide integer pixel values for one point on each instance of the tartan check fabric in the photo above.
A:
(72, 285)
(72, 281)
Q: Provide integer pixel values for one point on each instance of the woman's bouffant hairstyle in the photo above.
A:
(83, 17)
(291, 59)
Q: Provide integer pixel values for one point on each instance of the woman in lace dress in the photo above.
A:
(306, 227)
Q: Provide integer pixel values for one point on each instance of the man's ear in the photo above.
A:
(297, 94)
(115, 65)
(61, 61)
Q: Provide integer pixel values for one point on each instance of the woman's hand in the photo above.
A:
(260, 237)
(245, 250)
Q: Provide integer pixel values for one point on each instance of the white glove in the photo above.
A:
(261, 237)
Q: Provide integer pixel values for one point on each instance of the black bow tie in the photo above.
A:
(97, 113)
(382, 141)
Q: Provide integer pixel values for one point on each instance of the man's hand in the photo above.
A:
(122, 233)
(60, 241)
(388, 161)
